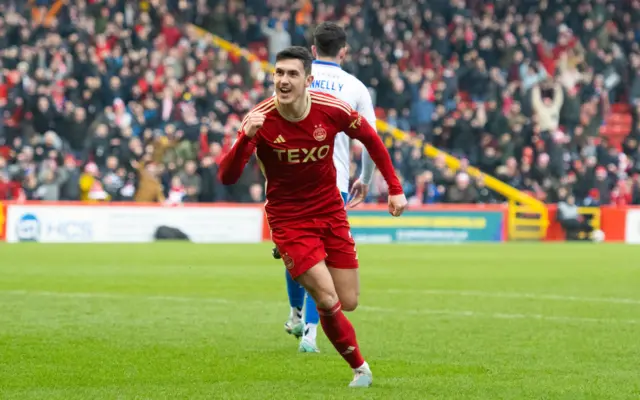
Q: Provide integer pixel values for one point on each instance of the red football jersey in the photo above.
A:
(296, 157)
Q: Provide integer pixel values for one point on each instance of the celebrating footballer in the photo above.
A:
(293, 135)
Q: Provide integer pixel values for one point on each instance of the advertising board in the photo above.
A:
(632, 227)
(428, 226)
(130, 224)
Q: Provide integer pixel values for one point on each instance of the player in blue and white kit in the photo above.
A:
(330, 49)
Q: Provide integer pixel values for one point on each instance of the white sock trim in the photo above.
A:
(296, 314)
(311, 332)
(363, 366)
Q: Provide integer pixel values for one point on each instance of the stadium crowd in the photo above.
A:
(118, 100)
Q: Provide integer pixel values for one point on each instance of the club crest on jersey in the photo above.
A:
(319, 133)
(288, 261)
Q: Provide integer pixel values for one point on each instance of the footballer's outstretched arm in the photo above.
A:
(358, 128)
(232, 164)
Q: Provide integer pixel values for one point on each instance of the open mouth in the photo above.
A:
(285, 90)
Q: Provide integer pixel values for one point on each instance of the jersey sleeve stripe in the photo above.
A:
(246, 117)
(268, 100)
(319, 93)
(262, 108)
(326, 97)
(263, 111)
(333, 104)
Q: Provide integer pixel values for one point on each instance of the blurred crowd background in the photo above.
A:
(113, 100)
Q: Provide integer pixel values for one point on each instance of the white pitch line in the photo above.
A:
(508, 316)
(117, 296)
(422, 311)
(514, 295)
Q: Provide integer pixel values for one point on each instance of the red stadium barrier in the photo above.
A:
(554, 231)
(619, 224)
(614, 222)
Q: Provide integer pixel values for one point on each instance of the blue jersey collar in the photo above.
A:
(329, 63)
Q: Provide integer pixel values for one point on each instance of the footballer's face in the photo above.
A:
(290, 80)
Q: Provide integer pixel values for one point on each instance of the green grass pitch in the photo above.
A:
(186, 321)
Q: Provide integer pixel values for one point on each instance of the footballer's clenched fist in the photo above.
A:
(397, 204)
(253, 123)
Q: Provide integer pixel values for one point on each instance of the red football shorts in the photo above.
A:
(304, 245)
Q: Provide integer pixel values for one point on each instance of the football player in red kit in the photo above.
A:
(293, 136)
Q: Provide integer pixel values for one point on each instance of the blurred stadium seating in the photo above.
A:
(114, 100)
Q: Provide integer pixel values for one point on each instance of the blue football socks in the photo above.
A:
(296, 292)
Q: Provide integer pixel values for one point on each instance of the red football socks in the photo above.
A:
(341, 334)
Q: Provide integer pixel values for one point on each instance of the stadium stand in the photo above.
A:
(114, 100)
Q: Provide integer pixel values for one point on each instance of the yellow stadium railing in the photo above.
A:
(526, 222)
(525, 211)
(594, 214)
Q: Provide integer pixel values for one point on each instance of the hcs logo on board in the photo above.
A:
(28, 228)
